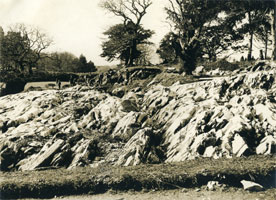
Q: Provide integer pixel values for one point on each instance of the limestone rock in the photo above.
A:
(213, 185)
(129, 105)
(199, 71)
(84, 152)
(222, 116)
(119, 92)
(267, 145)
(43, 156)
(135, 150)
(126, 127)
(251, 186)
(239, 146)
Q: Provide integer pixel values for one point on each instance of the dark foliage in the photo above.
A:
(122, 42)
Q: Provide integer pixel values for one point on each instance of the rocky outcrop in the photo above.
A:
(78, 126)
(42, 157)
(139, 149)
(229, 116)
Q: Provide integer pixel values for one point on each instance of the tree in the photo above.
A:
(190, 20)
(166, 50)
(249, 16)
(2, 34)
(22, 48)
(255, 18)
(120, 42)
(273, 29)
(131, 12)
(146, 51)
(263, 32)
(84, 66)
(219, 38)
(267, 24)
(82, 63)
(91, 66)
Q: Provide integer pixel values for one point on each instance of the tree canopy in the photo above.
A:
(22, 47)
(123, 38)
(166, 50)
(210, 27)
(191, 20)
(120, 42)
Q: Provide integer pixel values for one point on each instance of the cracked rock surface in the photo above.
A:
(226, 116)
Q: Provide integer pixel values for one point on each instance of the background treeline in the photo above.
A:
(64, 62)
(23, 57)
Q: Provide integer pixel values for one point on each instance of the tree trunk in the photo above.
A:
(188, 54)
(127, 55)
(131, 59)
(133, 50)
(30, 70)
(215, 57)
(266, 42)
(249, 56)
(273, 32)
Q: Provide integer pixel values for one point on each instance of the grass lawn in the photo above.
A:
(188, 174)
(43, 85)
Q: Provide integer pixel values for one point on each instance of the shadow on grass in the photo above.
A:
(188, 174)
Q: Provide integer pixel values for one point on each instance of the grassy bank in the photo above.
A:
(188, 174)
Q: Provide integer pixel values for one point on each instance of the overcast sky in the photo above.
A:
(76, 26)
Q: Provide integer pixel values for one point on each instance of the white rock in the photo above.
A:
(134, 150)
(46, 152)
(251, 186)
(210, 151)
(199, 70)
(213, 185)
(238, 145)
(266, 145)
(123, 127)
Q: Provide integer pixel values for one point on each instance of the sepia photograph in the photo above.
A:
(138, 99)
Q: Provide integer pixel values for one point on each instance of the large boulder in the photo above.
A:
(139, 149)
(44, 157)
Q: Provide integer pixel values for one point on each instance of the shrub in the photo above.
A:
(14, 82)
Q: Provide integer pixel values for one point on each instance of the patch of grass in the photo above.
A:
(168, 79)
(102, 69)
(188, 174)
(222, 64)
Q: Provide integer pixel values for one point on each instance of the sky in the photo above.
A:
(76, 26)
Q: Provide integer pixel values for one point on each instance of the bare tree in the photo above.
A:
(23, 45)
(131, 12)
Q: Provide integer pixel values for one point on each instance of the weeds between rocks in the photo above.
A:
(188, 174)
